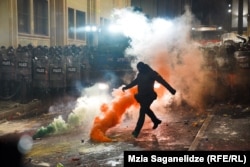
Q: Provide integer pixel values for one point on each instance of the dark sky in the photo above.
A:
(210, 11)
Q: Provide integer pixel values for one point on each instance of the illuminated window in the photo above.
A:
(76, 24)
(41, 17)
(80, 23)
(23, 16)
(71, 25)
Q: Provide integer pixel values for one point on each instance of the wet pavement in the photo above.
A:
(221, 127)
(75, 149)
(228, 129)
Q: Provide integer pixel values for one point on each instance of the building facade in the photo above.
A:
(52, 22)
(63, 22)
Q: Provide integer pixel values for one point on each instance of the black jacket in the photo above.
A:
(145, 82)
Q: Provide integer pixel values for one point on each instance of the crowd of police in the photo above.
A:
(31, 72)
(228, 65)
(34, 72)
(27, 70)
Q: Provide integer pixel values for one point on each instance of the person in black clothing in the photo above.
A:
(146, 94)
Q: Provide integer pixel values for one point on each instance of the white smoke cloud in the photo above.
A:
(88, 106)
(145, 34)
(166, 46)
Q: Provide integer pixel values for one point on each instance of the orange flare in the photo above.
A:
(112, 114)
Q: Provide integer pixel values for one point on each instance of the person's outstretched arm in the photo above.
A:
(132, 84)
(165, 84)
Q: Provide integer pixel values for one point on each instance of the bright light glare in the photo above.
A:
(94, 28)
(25, 144)
(87, 28)
(90, 28)
(103, 86)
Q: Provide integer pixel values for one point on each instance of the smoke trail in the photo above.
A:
(166, 46)
(112, 114)
(86, 109)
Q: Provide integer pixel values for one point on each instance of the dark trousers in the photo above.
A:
(145, 109)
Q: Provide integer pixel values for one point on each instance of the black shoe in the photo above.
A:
(135, 134)
(156, 124)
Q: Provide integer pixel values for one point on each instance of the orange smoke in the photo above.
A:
(112, 114)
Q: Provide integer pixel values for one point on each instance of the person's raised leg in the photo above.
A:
(153, 117)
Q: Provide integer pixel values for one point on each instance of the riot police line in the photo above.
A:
(36, 72)
(230, 57)
(228, 65)
(30, 72)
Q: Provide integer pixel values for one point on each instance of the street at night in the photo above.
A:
(124, 83)
(223, 127)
